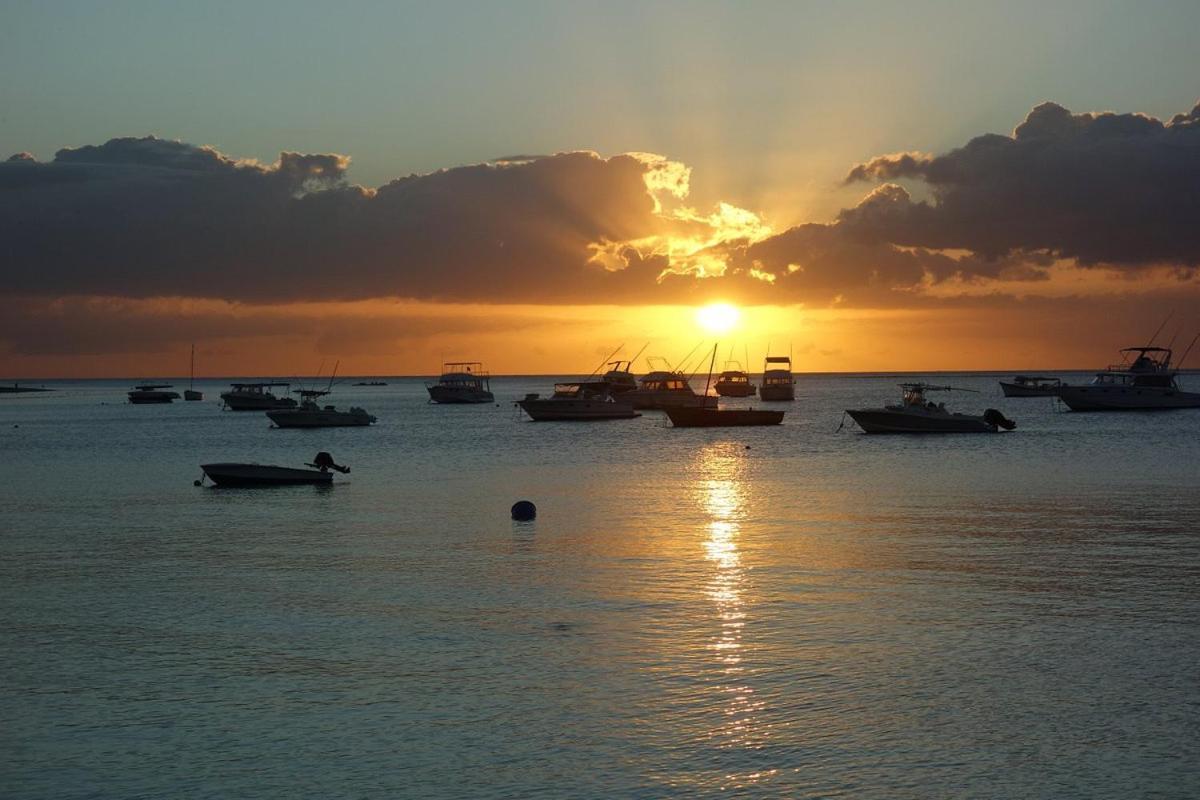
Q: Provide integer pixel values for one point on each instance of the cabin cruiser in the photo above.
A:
(234, 474)
(311, 415)
(619, 377)
(145, 393)
(256, 397)
(581, 401)
(1148, 383)
(461, 382)
(734, 382)
(916, 414)
(1031, 386)
(662, 389)
(777, 382)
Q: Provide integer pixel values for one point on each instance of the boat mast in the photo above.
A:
(1179, 363)
(192, 369)
(711, 363)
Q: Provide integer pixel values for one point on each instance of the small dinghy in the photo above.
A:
(232, 474)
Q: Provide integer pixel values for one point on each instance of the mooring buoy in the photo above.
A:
(524, 511)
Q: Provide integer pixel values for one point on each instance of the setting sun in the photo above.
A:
(717, 317)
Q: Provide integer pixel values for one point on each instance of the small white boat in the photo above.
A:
(461, 382)
(916, 414)
(734, 382)
(256, 397)
(1030, 386)
(240, 474)
(1146, 384)
(145, 393)
(583, 401)
(310, 415)
(778, 383)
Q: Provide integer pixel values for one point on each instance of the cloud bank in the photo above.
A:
(149, 217)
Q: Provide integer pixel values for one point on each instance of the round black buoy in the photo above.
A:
(524, 511)
(197, 483)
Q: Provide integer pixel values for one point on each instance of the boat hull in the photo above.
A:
(192, 394)
(241, 403)
(299, 418)
(458, 396)
(262, 475)
(735, 390)
(148, 398)
(722, 418)
(883, 420)
(576, 411)
(1126, 398)
(777, 394)
(661, 401)
(1017, 390)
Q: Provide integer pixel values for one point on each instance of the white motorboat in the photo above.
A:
(461, 382)
(1146, 384)
(916, 414)
(256, 397)
(311, 415)
(734, 382)
(619, 377)
(145, 393)
(778, 383)
(582, 401)
(1031, 386)
(240, 474)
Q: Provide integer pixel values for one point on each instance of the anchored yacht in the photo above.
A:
(461, 382)
(734, 382)
(256, 397)
(777, 382)
(579, 402)
(311, 415)
(916, 414)
(661, 389)
(145, 393)
(1031, 386)
(1147, 383)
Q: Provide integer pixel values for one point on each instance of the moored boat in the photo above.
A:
(145, 393)
(778, 383)
(256, 397)
(1031, 386)
(619, 377)
(190, 393)
(244, 475)
(311, 415)
(712, 417)
(916, 414)
(734, 382)
(1148, 383)
(583, 401)
(461, 382)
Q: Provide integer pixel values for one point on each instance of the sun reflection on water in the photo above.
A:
(721, 492)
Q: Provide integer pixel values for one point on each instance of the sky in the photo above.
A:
(876, 186)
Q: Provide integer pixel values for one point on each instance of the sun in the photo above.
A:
(717, 317)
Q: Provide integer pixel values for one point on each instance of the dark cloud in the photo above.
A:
(1101, 188)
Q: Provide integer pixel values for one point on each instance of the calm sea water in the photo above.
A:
(773, 612)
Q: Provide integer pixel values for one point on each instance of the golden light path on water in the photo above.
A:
(721, 492)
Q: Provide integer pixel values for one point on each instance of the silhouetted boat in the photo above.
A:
(146, 393)
(256, 397)
(778, 384)
(734, 382)
(371, 383)
(461, 382)
(234, 474)
(190, 393)
(1147, 384)
(915, 414)
(1030, 386)
(18, 389)
(310, 415)
(721, 417)
(583, 401)
(619, 377)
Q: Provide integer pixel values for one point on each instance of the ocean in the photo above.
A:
(767, 612)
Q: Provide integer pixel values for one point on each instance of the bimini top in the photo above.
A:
(1149, 359)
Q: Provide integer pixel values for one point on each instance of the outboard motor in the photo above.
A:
(324, 462)
(997, 420)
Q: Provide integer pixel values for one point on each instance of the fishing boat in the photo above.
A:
(582, 401)
(778, 384)
(665, 388)
(916, 414)
(190, 393)
(734, 382)
(1145, 383)
(619, 377)
(256, 397)
(1030, 386)
(244, 475)
(461, 382)
(311, 415)
(371, 383)
(712, 417)
(145, 393)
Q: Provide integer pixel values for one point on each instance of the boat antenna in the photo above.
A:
(711, 362)
(638, 353)
(605, 360)
(1160, 327)
(1179, 364)
(686, 359)
(333, 375)
(192, 369)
